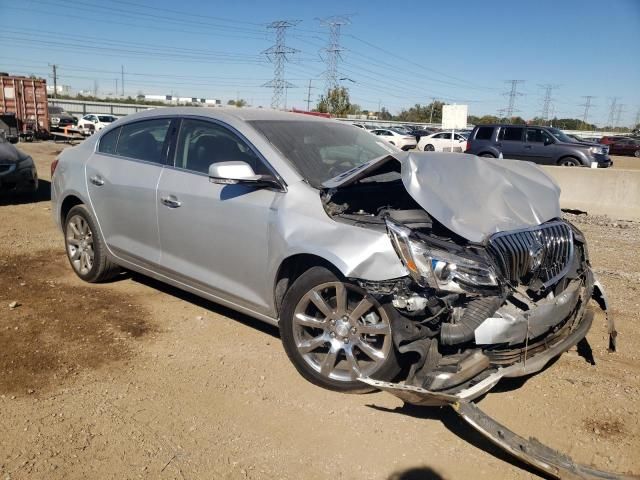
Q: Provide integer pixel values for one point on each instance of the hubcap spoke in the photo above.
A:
(329, 361)
(307, 321)
(312, 344)
(374, 329)
(73, 241)
(319, 302)
(74, 228)
(369, 351)
(341, 299)
(353, 362)
(363, 307)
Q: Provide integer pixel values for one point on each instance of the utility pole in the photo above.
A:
(116, 92)
(433, 101)
(546, 102)
(512, 94)
(587, 105)
(309, 97)
(55, 80)
(637, 118)
(278, 55)
(122, 78)
(95, 88)
(612, 111)
(333, 49)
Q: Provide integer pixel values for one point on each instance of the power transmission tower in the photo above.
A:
(512, 94)
(278, 55)
(619, 114)
(54, 67)
(637, 118)
(546, 102)
(333, 50)
(612, 111)
(587, 105)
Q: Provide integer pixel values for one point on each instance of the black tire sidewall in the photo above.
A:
(305, 282)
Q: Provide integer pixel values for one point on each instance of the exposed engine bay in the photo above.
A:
(468, 309)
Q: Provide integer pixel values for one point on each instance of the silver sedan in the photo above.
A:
(367, 258)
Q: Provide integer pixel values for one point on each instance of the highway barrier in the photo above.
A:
(599, 191)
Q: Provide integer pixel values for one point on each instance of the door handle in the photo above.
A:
(171, 201)
(97, 180)
(527, 146)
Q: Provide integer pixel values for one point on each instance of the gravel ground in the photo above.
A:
(133, 379)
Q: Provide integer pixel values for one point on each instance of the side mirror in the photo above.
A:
(232, 173)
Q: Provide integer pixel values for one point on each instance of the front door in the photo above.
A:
(215, 237)
(539, 146)
(122, 177)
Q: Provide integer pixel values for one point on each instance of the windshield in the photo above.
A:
(55, 110)
(321, 150)
(560, 135)
(106, 118)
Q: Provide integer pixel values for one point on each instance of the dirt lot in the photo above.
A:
(133, 379)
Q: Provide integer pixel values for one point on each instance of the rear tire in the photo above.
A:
(85, 249)
(333, 332)
(636, 154)
(487, 155)
(429, 148)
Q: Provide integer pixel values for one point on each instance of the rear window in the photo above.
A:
(484, 133)
(511, 134)
(143, 140)
(109, 141)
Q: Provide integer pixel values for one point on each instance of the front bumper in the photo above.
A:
(577, 326)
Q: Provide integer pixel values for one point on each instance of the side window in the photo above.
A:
(535, 135)
(513, 134)
(109, 141)
(484, 133)
(202, 143)
(143, 140)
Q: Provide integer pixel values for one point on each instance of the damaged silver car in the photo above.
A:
(441, 273)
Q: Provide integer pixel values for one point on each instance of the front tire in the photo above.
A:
(487, 155)
(569, 162)
(85, 249)
(334, 332)
(429, 148)
(636, 154)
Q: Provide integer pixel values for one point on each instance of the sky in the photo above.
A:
(393, 54)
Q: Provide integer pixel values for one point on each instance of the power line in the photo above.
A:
(333, 48)
(278, 55)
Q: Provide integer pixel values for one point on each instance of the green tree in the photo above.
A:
(238, 103)
(336, 102)
(384, 114)
(422, 113)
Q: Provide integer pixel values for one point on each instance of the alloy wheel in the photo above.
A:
(80, 244)
(341, 332)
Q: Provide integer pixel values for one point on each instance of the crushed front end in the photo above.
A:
(470, 314)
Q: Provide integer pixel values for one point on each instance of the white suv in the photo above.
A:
(95, 122)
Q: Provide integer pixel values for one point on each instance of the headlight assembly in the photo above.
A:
(438, 268)
(597, 150)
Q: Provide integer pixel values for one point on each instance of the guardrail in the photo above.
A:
(611, 192)
(81, 107)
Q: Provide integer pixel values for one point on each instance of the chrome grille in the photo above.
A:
(541, 253)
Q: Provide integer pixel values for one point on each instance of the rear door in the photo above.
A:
(511, 143)
(122, 177)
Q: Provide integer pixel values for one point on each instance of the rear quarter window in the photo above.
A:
(109, 141)
(484, 133)
(513, 134)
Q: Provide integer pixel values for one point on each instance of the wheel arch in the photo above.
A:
(291, 268)
(67, 204)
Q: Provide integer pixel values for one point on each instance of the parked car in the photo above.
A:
(17, 170)
(608, 140)
(98, 121)
(419, 132)
(544, 145)
(403, 141)
(625, 146)
(441, 142)
(59, 118)
(363, 260)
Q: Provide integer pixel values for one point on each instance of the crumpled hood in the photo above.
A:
(476, 197)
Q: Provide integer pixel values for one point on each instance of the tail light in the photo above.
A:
(468, 146)
(54, 164)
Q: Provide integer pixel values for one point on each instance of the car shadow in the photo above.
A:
(416, 473)
(203, 303)
(461, 429)
(43, 194)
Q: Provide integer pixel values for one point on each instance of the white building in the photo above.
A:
(174, 100)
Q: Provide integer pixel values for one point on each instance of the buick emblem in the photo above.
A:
(536, 255)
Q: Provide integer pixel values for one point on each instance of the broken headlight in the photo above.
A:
(434, 267)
